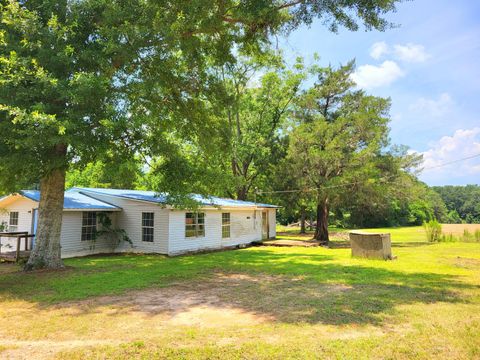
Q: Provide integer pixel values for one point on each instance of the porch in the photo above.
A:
(19, 250)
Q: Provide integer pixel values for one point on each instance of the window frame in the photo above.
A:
(148, 229)
(195, 228)
(13, 225)
(226, 225)
(89, 226)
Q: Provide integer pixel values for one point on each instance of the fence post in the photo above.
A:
(17, 253)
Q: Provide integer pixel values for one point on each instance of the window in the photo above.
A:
(13, 223)
(147, 226)
(89, 225)
(225, 225)
(194, 224)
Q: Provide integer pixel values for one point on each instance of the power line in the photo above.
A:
(453, 162)
(358, 182)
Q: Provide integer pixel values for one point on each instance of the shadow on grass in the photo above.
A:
(339, 244)
(411, 244)
(289, 287)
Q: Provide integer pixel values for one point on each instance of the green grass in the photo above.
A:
(403, 234)
(398, 234)
(317, 302)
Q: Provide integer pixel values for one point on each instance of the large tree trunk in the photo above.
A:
(303, 217)
(321, 231)
(46, 253)
(242, 193)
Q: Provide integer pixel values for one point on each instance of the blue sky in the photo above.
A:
(429, 66)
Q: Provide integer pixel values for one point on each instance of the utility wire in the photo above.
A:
(358, 182)
(453, 162)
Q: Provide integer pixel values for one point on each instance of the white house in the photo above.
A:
(152, 225)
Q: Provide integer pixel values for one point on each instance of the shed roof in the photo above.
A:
(74, 201)
(155, 197)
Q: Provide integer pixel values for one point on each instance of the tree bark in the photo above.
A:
(47, 252)
(303, 216)
(321, 230)
(242, 193)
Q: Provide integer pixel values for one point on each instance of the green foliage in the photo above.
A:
(433, 230)
(108, 233)
(241, 151)
(453, 217)
(337, 138)
(82, 81)
(120, 174)
(3, 226)
(462, 202)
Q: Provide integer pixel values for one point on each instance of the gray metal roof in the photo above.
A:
(155, 197)
(74, 201)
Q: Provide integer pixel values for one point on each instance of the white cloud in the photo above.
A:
(372, 76)
(410, 52)
(379, 49)
(462, 144)
(432, 107)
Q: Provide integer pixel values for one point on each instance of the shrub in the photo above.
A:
(433, 229)
(477, 235)
(448, 238)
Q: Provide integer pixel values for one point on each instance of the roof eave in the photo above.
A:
(92, 209)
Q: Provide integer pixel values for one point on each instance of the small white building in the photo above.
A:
(151, 225)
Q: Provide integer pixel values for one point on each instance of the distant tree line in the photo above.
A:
(462, 203)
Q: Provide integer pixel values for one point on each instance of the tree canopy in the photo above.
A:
(462, 202)
(82, 79)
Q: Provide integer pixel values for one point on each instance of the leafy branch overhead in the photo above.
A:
(90, 80)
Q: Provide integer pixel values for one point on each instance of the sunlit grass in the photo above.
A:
(317, 302)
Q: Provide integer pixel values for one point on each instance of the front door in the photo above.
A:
(264, 225)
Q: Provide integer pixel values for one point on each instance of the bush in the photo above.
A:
(433, 230)
(448, 238)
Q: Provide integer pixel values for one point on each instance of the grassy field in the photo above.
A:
(255, 303)
(398, 235)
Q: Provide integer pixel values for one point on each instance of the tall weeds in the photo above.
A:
(433, 229)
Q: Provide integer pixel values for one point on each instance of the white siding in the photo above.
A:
(245, 228)
(272, 222)
(24, 207)
(71, 236)
(130, 220)
(71, 232)
(169, 228)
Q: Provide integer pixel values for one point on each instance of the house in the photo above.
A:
(151, 225)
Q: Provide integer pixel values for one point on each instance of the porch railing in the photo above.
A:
(19, 235)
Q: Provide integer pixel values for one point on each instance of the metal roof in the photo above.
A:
(74, 201)
(155, 197)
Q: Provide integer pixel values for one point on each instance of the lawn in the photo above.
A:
(254, 303)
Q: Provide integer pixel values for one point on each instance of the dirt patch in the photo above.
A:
(297, 234)
(289, 243)
(44, 349)
(467, 263)
(201, 304)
